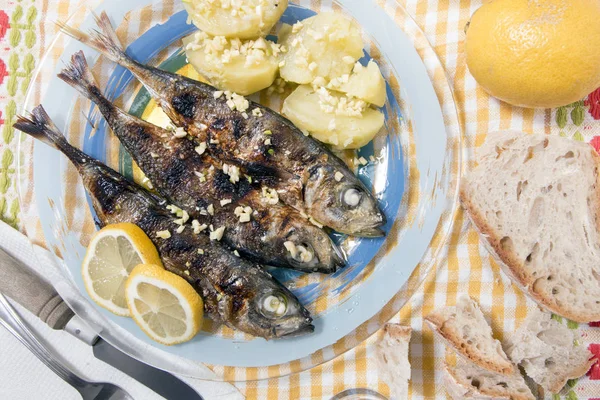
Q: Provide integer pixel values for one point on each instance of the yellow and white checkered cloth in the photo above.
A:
(463, 265)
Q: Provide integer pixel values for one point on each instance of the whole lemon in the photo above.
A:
(536, 53)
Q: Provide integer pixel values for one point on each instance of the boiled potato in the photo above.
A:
(366, 83)
(244, 19)
(243, 67)
(343, 128)
(325, 46)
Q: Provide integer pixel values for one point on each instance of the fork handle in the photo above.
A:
(24, 286)
(11, 320)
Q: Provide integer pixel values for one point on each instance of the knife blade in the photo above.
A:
(27, 288)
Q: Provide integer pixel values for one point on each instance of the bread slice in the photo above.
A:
(392, 359)
(468, 381)
(535, 199)
(548, 351)
(465, 329)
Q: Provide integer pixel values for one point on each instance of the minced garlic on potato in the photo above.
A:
(330, 117)
(324, 46)
(244, 19)
(240, 66)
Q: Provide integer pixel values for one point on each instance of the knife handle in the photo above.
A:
(27, 288)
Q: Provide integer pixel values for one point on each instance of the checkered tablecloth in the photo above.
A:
(26, 30)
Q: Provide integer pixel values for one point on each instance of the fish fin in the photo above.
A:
(40, 126)
(79, 76)
(105, 41)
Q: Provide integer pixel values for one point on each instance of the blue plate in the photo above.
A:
(415, 179)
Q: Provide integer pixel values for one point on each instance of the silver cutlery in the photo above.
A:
(21, 284)
(10, 319)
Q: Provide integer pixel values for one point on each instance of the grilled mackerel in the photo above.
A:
(307, 176)
(255, 222)
(235, 292)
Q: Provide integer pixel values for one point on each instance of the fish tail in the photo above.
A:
(105, 41)
(39, 126)
(79, 76)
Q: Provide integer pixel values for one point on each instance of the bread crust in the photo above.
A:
(437, 324)
(472, 393)
(511, 265)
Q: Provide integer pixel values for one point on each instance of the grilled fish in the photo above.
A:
(307, 175)
(257, 225)
(235, 292)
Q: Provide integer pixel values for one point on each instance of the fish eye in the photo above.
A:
(302, 253)
(352, 197)
(273, 305)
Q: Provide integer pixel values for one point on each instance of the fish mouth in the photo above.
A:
(305, 330)
(370, 233)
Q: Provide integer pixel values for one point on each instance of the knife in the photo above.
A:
(27, 288)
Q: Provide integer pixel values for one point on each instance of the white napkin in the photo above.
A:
(18, 367)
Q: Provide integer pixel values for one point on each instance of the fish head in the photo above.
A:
(274, 312)
(337, 198)
(309, 248)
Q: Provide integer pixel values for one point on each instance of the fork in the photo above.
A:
(10, 319)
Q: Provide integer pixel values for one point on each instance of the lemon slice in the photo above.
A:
(165, 306)
(111, 255)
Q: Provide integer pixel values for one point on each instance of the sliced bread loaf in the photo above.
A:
(392, 359)
(467, 381)
(464, 327)
(548, 351)
(535, 199)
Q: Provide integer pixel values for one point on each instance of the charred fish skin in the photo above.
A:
(240, 294)
(295, 161)
(182, 172)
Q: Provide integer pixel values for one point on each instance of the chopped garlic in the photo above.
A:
(363, 161)
(236, 253)
(218, 94)
(210, 209)
(153, 155)
(180, 229)
(175, 210)
(185, 217)
(200, 251)
(197, 227)
(233, 172)
(267, 142)
(201, 148)
(338, 176)
(312, 66)
(217, 234)
(270, 195)
(257, 112)
(201, 126)
(243, 213)
(200, 175)
(163, 234)
(224, 202)
(179, 132)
